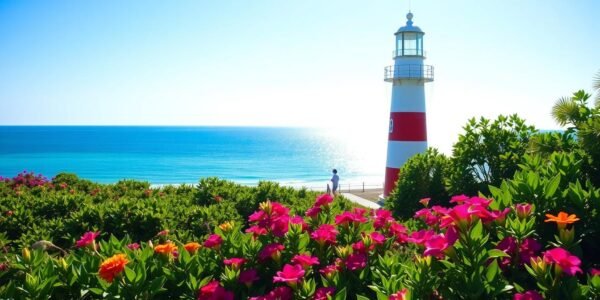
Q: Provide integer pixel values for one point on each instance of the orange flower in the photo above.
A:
(192, 247)
(562, 219)
(165, 249)
(112, 266)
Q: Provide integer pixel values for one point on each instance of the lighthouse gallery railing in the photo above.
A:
(423, 72)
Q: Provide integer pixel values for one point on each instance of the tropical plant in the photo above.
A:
(487, 152)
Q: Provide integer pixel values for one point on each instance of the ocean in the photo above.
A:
(176, 155)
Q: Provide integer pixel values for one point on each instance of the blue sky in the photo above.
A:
(287, 63)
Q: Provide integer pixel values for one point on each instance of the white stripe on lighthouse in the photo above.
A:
(408, 97)
(399, 152)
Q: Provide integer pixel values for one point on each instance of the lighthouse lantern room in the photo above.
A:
(408, 127)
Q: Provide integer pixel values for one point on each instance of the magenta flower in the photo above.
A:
(523, 210)
(213, 241)
(400, 295)
(271, 251)
(383, 218)
(460, 215)
(594, 272)
(460, 199)
(299, 220)
(235, 262)
(305, 260)
(398, 231)
(437, 244)
(256, 231)
(280, 225)
(291, 275)
(249, 276)
(377, 238)
(322, 293)
(323, 200)
(313, 212)
(257, 216)
(325, 234)
(564, 260)
(345, 218)
(329, 270)
(214, 290)
(419, 237)
(133, 246)
(529, 248)
(528, 295)
(87, 239)
(278, 293)
(427, 216)
(425, 201)
(356, 261)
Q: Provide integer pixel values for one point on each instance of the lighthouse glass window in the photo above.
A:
(410, 43)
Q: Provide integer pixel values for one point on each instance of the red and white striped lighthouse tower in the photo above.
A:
(408, 127)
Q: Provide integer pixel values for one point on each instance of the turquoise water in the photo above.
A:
(172, 155)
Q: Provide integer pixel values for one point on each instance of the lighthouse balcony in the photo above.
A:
(416, 72)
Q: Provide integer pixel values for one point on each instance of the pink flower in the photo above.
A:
(234, 262)
(329, 270)
(508, 245)
(377, 238)
(87, 239)
(325, 234)
(249, 276)
(460, 215)
(459, 199)
(257, 216)
(427, 216)
(213, 241)
(256, 231)
(425, 201)
(214, 291)
(323, 292)
(528, 295)
(437, 244)
(419, 237)
(323, 200)
(278, 293)
(523, 210)
(291, 274)
(400, 295)
(594, 272)
(398, 231)
(163, 233)
(299, 220)
(383, 217)
(529, 248)
(313, 212)
(305, 260)
(564, 260)
(280, 225)
(356, 261)
(133, 246)
(345, 218)
(271, 251)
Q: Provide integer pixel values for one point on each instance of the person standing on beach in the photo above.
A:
(335, 179)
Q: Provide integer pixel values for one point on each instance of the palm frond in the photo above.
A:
(596, 88)
(565, 111)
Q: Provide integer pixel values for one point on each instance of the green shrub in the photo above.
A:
(487, 152)
(422, 176)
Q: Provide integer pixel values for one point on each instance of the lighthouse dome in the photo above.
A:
(409, 25)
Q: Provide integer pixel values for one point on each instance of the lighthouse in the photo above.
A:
(408, 127)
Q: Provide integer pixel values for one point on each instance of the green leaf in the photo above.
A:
(492, 270)
(493, 253)
(552, 186)
(361, 297)
(96, 291)
(130, 274)
(475, 233)
(341, 295)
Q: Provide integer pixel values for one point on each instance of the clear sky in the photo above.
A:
(287, 63)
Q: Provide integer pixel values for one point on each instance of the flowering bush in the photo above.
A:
(477, 248)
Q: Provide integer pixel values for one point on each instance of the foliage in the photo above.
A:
(585, 123)
(476, 249)
(487, 152)
(62, 209)
(423, 176)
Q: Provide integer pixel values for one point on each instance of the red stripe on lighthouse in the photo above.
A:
(391, 176)
(408, 126)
